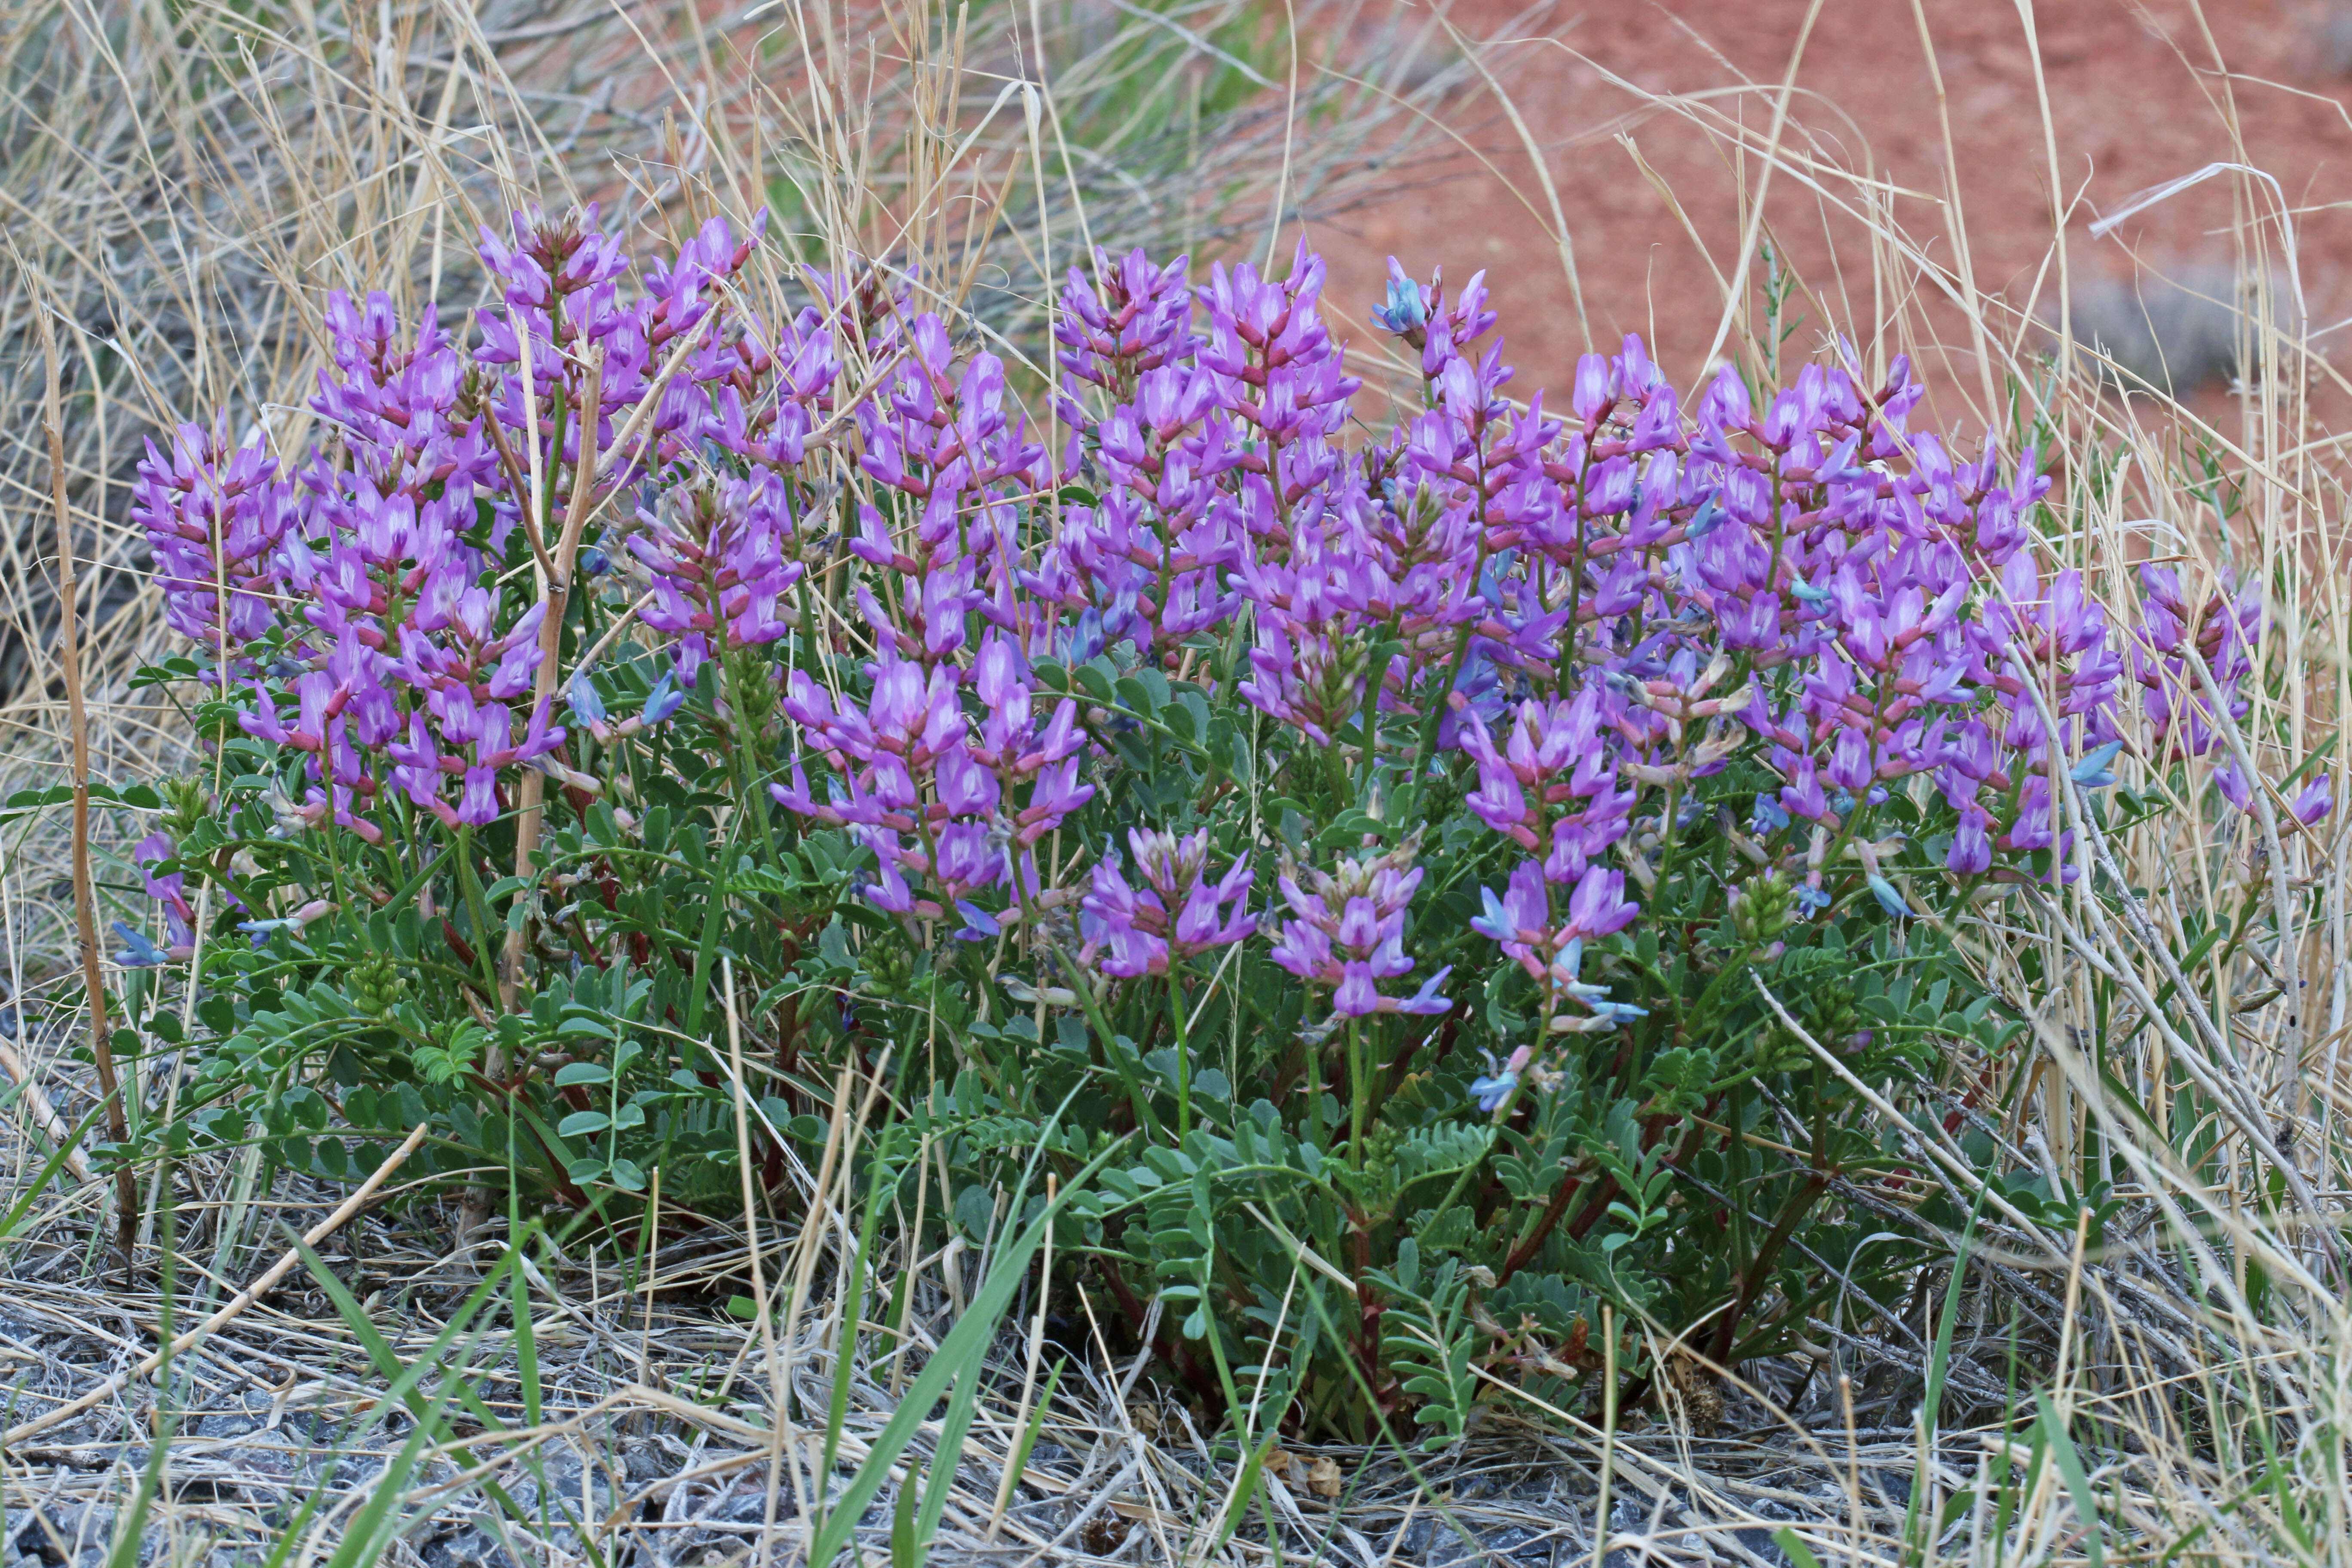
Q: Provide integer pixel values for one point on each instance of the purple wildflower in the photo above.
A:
(1177, 914)
(1348, 931)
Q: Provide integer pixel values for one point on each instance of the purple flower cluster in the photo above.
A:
(168, 889)
(719, 552)
(1590, 607)
(721, 549)
(1679, 574)
(930, 797)
(2182, 708)
(956, 461)
(955, 804)
(1347, 931)
(1225, 491)
(1178, 913)
(215, 515)
(358, 589)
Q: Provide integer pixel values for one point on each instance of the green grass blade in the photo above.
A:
(1017, 1463)
(1930, 1417)
(2070, 1467)
(404, 1380)
(959, 1353)
(374, 1527)
(132, 1527)
(941, 1478)
(40, 1182)
(904, 1552)
(1799, 1553)
(525, 1345)
(844, 1357)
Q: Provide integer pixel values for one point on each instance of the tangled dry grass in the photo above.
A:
(184, 185)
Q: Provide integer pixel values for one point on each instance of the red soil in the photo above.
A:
(2135, 99)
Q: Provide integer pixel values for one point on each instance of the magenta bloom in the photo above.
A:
(717, 557)
(1599, 906)
(168, 891)
(1521, 918)
(1178, 913)
(213, 515)
(363, 559)
(1348, 934)
(1521, 921)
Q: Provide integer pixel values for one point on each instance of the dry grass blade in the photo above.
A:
(245, 1297)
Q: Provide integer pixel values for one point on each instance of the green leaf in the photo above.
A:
(376, 1524)
(584, 1124)
(26, 800)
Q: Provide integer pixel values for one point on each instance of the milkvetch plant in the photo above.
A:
(1388, 824)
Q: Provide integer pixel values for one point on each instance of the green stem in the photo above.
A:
(335, 850)
(1668, 826)
(1184, 1052)
(1359, 1091)
(476, 909)
(706, 954)
(1370, 717)
(1335, 776)
(1233, 1403)
(1314, 1091)
(1093, 1010)
(747, 759)
(1571, 644)
(562, 406)
(1426, 745)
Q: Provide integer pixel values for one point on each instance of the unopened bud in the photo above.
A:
(1762, 909)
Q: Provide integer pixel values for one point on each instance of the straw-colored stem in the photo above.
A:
(85, 895)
